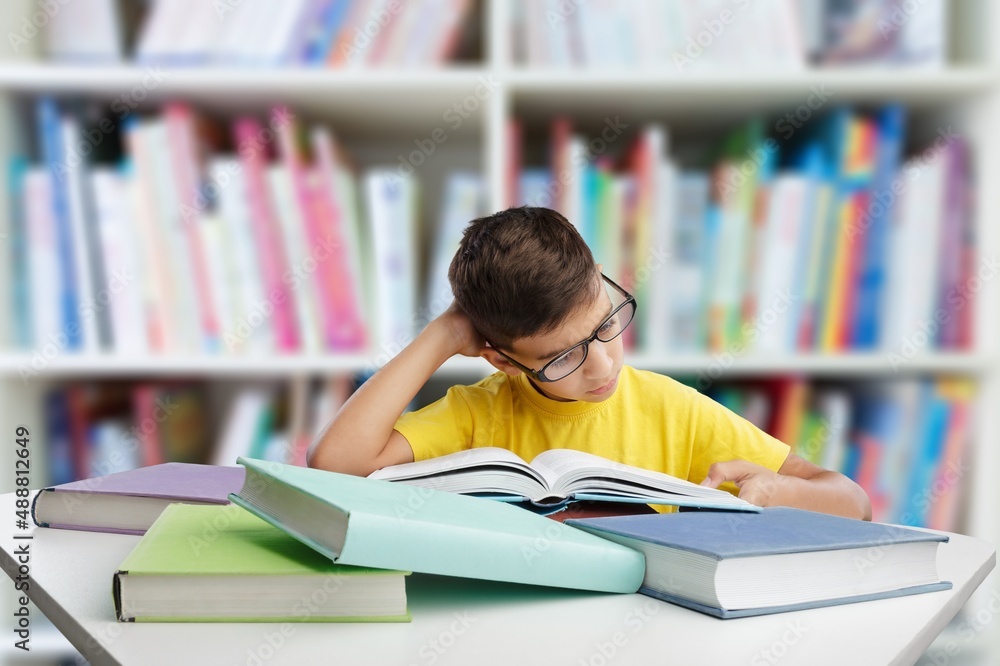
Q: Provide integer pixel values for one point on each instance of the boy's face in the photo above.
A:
(595, 380)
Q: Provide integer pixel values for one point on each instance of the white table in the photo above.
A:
(458, 621)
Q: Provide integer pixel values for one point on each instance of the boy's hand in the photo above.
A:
(758, 485)
(466, 339)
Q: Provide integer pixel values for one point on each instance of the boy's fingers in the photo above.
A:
(720, 472)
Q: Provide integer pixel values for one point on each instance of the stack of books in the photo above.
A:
(283, 531)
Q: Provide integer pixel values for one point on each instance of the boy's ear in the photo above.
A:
(499, 362)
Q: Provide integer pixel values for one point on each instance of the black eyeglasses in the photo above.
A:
(570, 360)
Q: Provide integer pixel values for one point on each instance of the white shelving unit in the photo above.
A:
(378, 114)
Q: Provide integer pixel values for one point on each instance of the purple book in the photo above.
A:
(128, 502)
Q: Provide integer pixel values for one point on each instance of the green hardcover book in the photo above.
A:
(368, 522)
(224, 564)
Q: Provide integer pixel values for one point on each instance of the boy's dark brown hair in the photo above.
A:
(521, 272)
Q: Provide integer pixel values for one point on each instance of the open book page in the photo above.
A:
(476, 470)
(567, 471)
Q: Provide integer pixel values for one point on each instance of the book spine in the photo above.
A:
(269, 245)
(345, 282)
(120, 254)
(49, 124)
(43, 258)
(158, 285)
(183, 156)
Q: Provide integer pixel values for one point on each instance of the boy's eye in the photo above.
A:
(609, 325)
(560, 362)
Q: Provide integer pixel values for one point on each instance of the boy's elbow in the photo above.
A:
(314, 458)
(331, 461)
(322, 457)
(864, 503)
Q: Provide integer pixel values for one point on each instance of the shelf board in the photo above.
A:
(905, 82)
(708, 365)
(213, 366)
(366, 102)
(833, 365)
(723, 97)
(56, 77)
(884, 81)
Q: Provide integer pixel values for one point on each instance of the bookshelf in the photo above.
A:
(379, 113)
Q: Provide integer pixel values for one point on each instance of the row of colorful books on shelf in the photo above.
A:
(259, 33)
(182, 244)
(699, 36)
(827, 238)
(249, 543)
(905, 442)
(100, 428)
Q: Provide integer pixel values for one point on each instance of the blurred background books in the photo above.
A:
(219, 218)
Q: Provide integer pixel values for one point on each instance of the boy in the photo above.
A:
(531, 301)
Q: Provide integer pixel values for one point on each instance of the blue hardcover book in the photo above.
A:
(871, 283)
(928, 443)
(50, 135)
(21, 287)
(781, 559)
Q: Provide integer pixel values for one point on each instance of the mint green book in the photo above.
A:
(201, 563)
(367, 522)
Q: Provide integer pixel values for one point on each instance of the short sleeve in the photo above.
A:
(442, 427)
(718, 435)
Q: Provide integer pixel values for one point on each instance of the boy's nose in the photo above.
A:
(599, 361)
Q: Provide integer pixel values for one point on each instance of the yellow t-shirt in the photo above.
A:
(651, 421)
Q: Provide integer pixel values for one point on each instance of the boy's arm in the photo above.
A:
(797, 483)
(360, 439)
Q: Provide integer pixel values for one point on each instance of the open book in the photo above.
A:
(554, 479)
